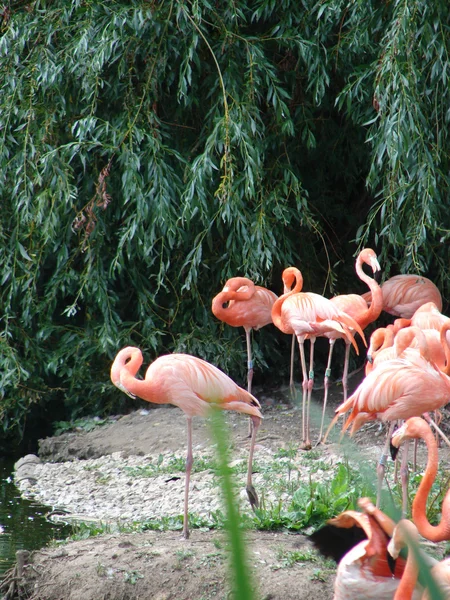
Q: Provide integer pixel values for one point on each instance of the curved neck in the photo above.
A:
(435, 533)
(239, 288)
(405, 337)
(376, 306)
(290, 275)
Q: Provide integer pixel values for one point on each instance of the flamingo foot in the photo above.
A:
(305, 445)
(252, 496)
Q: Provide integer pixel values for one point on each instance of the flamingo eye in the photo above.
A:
(225, 305)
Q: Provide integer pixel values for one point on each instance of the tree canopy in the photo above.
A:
(150, 150)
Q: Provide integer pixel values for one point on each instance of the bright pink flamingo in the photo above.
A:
(356, 307)
(308, 315)
(396, 389)
(194, 386)
(404, 294)
(363, 572)
(241, 303)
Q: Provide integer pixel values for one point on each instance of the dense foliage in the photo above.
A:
(150, 150)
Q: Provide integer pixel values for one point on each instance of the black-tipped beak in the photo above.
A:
(377, 276)
(394, 451)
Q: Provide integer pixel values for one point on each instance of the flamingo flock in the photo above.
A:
(407, 376)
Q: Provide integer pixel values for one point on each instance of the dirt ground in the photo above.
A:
(162, 565)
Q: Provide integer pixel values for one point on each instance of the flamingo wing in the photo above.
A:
(193, 384)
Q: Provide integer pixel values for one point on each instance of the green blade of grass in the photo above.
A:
(240, 574)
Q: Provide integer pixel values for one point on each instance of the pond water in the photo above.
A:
(24, 523)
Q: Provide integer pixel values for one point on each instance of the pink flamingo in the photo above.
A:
(363, 572)
(241, 303)
(308, 315)
(194, 386)
(406, 535)
(404, 294)
(356, 307)
(396, 389)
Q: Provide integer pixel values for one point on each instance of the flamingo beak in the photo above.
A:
(396, 440)
(375, 265)
(122, 388)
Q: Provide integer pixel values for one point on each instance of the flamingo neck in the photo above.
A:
(376, 306)
(445, 345)
(290, 275)
(435, 533)
(408, 581)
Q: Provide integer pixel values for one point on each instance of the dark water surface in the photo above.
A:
(24, 523)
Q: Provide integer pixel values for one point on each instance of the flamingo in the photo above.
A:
(396, 389)
(406, 535)
(359, 541)
(308, 315)
(241, 303)
(381, 338)
(417, 428)
(356, 307)
(193, 385)
(404, 294)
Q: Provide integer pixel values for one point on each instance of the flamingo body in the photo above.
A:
(241, 303)
(396, 389)
(193, 385)
(404, 294)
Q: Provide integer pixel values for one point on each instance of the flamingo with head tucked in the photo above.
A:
(193, 385)
(241, 303)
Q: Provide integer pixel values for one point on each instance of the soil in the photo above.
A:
(161, 565)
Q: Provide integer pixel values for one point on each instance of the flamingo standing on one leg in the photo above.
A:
(241, 303)
(194, 386)
(309, 315)
(356, 307)
(404, 294)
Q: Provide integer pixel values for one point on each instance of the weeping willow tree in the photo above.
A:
(150, 150)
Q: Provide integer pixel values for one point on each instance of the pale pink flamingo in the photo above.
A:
(193, 385)
(404, 294)
(241, 303)
(356, 307)
(364, 572)
(309, 315)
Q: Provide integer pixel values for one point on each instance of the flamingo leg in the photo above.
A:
(307, 445)
(291, 377)
(249, 360)
(326, 384)
(433, 424)
(251, 492)
(345, 372)
(249, 372)
(404, 477)
(189, 461)
(304, 387)
(381, 466)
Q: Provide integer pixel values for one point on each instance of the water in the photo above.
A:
(24, 523)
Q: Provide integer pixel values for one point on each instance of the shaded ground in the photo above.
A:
(161, 565)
